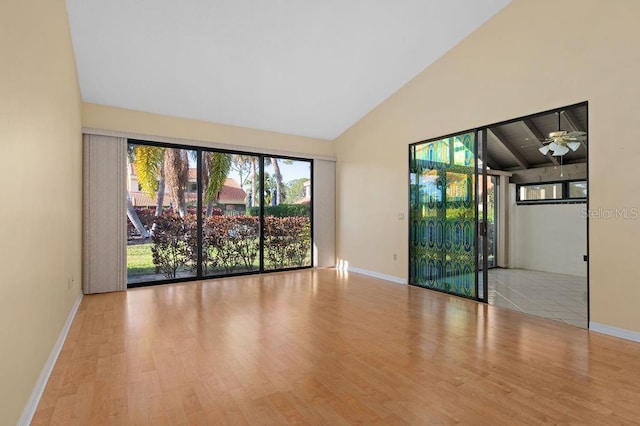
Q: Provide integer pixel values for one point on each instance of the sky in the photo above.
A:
(293, 171)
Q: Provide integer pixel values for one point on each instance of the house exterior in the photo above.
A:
(231, 198)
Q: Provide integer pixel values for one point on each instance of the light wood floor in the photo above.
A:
(321, 347)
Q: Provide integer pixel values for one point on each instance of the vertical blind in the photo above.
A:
(104, 205)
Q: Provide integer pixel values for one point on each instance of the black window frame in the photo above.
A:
(261, 156)
(565, 199)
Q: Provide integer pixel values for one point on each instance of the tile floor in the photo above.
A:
(545, 294)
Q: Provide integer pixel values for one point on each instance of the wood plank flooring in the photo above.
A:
(324, 347)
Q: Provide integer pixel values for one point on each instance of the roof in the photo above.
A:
(231, 193)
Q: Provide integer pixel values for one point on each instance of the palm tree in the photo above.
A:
(270, 187)
(176, 168)
(154, 165)
(135, 220)
(149, 164)
(215, 167)
(242, 165)
(240, 161)
(132, 215)
(280, 187)
(278, 176)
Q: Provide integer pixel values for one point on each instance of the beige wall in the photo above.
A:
(532, 56)
(41, 175)
(143, 123)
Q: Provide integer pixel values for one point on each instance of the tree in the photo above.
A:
(270, 187)
(295, 190)
(135, 220)
(176, 168)
(215, 167)
(149, 164)
(241, 164)
(132, 215)
(278, 177)
(251, 163)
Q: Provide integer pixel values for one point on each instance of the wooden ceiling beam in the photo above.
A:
(492, 163)
(534, 133)
(573, 121)
(495, 135)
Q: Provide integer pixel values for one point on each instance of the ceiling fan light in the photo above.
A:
(560, 150)
(553, 146)
(544, 149)
(573, 145)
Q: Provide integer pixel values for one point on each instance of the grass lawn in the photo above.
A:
(140, 260)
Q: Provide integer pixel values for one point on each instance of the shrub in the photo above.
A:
(287, 241)
(215, 211)
(282, 210)
(170, 249)
(230, 242)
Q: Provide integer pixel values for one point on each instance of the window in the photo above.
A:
(552, 192)
(215, 213)
(548, 191)
(578, 189)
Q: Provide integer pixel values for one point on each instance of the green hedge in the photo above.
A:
(230, 243)
(282, 210)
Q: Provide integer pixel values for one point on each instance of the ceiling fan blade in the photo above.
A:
(573, 145)
(560, 150)
(575, 134)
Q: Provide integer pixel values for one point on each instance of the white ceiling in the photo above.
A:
(304, 67)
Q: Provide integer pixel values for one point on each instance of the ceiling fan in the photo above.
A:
(561, 142)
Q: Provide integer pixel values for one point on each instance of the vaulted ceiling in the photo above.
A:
(310, 68)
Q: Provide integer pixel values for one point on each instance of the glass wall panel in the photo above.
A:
(196, 212)
(161, 213)
(442, 252)
(287, 213)
(231, 213)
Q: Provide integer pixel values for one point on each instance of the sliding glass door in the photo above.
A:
(195, 213)
(287, 213)
(444, 214)
(161, 213)
(230, 193)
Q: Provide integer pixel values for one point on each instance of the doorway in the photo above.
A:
(506, 202)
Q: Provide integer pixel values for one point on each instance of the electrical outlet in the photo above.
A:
(400, 216)
(395, 256)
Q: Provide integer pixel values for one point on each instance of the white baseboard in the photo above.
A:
(38, 389)
(374, 274)
(615, 331)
